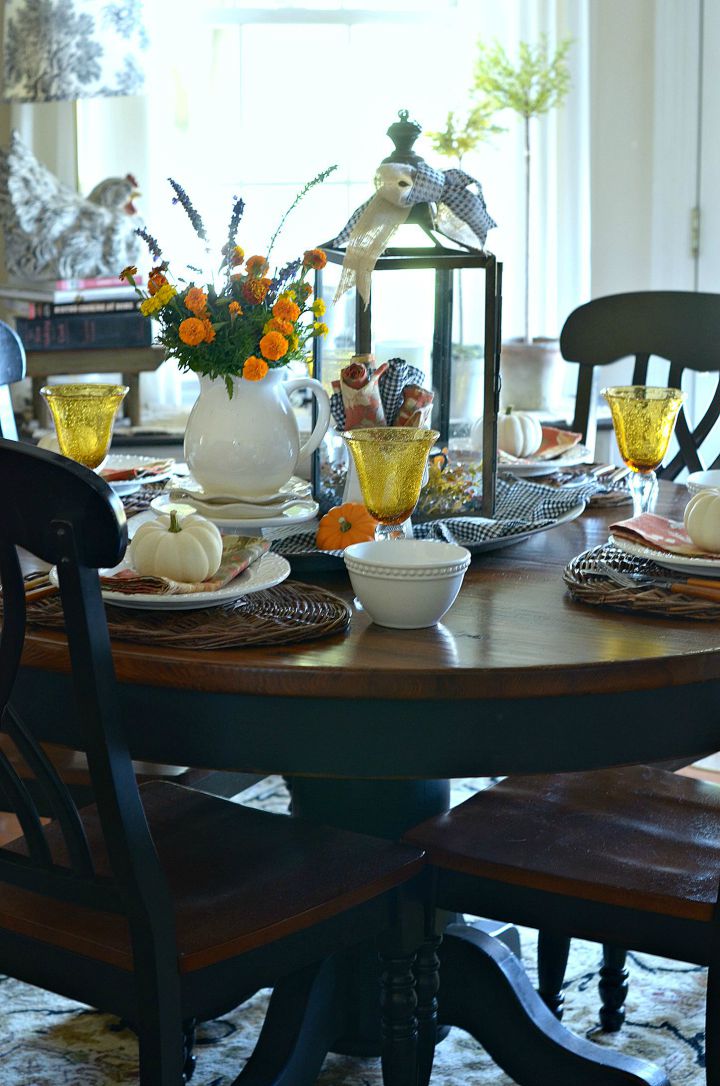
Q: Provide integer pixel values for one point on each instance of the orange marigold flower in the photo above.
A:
(276, 325)
(192, 331)
(314, 258)
(257, 265)
(307, 288)
(254, 368)
(196, 301)
(254, 290)
(285, 309)
(273, 346)
(128, 273)
(237, 256)
(235, 309)
(209, 330)
(156, 279)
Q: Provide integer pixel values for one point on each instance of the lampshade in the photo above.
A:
(61, 50)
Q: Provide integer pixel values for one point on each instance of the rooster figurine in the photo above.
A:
(52, 232)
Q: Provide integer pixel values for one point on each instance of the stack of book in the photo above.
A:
(72, 314)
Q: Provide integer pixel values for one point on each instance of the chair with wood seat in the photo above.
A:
(681, 327)
(629, 857)
(162, 904)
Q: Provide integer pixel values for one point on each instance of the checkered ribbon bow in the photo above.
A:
(461, 215)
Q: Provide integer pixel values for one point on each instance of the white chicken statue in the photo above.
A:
(52, 232)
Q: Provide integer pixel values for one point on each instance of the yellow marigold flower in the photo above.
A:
(150, 306)
(257, 265)
(254, 290)
(285, 309)
(237, 256)
(165, 294)
(294, 341)
(273, 346)
(235, 309)
(314, 258)
(289, 294)
(320, 329)
(209, 330)
(192, 331)
(255, 368)
(128, 273)
(318, 307)
(196, 301)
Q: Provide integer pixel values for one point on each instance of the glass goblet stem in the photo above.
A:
(643, 488)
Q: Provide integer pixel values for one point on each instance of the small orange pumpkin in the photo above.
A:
(346, 524)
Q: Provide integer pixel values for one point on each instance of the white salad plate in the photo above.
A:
(523, 469)
(294, 488)
(703, 567)
(266, 572)
(121, 462)
(233, 519)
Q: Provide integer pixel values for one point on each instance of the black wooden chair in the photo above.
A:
(12, 370)
(162, 904)
(682, 327)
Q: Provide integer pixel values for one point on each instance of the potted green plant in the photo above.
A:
(537, 83)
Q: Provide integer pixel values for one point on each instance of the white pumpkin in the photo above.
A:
(189, 550)
(519, 434)
(702, 520)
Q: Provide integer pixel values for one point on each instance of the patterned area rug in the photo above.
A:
(48, 1041)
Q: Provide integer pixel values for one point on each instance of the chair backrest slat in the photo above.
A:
(12, 369)
(56, 792)
(680, 327)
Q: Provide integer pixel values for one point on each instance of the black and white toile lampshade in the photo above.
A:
(62, 50)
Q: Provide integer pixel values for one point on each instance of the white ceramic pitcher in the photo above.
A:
(248, 445)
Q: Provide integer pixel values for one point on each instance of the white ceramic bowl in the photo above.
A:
(406, 583)
(703, 480)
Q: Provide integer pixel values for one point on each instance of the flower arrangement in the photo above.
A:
(252, 323)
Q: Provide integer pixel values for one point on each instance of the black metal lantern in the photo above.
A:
(443, 259)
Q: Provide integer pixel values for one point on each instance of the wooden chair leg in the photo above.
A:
(552, 955)
(399, 1026)
(613, 988)
(162, 1057)
(188, 1046)
(427, 984)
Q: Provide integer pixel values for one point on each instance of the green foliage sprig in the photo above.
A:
(537, 83)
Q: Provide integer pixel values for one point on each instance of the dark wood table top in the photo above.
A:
(514, 632)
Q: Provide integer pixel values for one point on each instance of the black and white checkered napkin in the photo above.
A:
(521, 506)
(398, 374)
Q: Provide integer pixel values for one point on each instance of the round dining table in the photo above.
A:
(369, 727)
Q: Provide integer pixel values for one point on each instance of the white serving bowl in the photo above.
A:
(406, 583)
(703, 480)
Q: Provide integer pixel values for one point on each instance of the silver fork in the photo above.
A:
(690, 587)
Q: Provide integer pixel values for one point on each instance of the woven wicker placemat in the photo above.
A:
(288, 613)
(586, 583)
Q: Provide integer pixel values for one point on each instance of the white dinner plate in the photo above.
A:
(703, 480)
(703, 567)
(118, 461)
(297, 513)
(523, 469)
(266, 572)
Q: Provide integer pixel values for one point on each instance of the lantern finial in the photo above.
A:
(403, 133)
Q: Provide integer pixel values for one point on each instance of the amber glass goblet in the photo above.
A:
(390, 462)
(83, 416)
(643, 419)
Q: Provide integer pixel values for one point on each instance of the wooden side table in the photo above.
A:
(129, 361)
